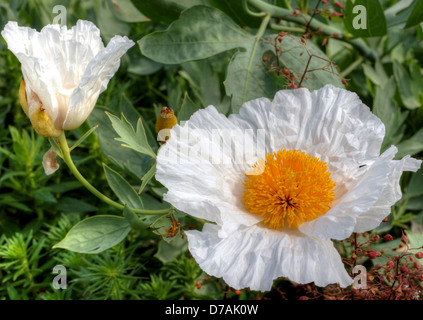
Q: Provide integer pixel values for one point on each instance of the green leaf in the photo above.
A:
(44, 194)
(161, 225)
(95, 234)
(365, 18)
(415, 203)
(164, 11)
(134, 221)
(386, 110)
(202, 32)
(124, 10)
(415, 186)
(415, 243)
(199, 33)
(68, 204)
(135, 140)
(143, 66)
(292, 56)
(409, 84)
(55, 146)
(416, 15)
(187, 109)
(204, 77)
(147, 177)
(377, 75)
(235, 10)
(411, 146)
(9, 200)
(136, 163)
(123, 190)
(80, 140)
(404, 14)
(169, 251)
(247, 78)
(107, 21)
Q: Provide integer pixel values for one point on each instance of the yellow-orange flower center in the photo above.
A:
(288, 188)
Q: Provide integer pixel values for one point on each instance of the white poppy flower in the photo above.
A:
(320, 177)
(64, 71)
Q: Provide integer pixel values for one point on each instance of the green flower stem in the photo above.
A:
(258, 36)
(314, 24)
(352, 67)
(275, 26)
(251, 13)
(68, 160)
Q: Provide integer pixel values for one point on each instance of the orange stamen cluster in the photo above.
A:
(288, 188)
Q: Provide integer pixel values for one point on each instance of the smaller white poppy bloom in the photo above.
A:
(64, 71)
(318, 175)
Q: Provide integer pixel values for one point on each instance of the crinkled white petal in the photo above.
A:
(339, 222)
(58, 61)
(389, 196)
(94, 81)
(204, 171)
(331, 124)
(253, 257)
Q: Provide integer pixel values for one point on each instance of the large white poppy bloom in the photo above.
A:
(277, 219)
(64, 70)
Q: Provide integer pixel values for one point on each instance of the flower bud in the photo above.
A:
(388, 237)
(390, 264)
(165, 121)
(404, 238)
(339, 4)
(419, 255)
(371, 254)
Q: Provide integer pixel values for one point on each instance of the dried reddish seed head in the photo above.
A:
(198, 285)
(339, 5)
(390, 264)
(404, 269)
(404, 238)
(371, 254)
(419, 255)
(388, 237)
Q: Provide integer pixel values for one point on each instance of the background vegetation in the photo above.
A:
(37, 211)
